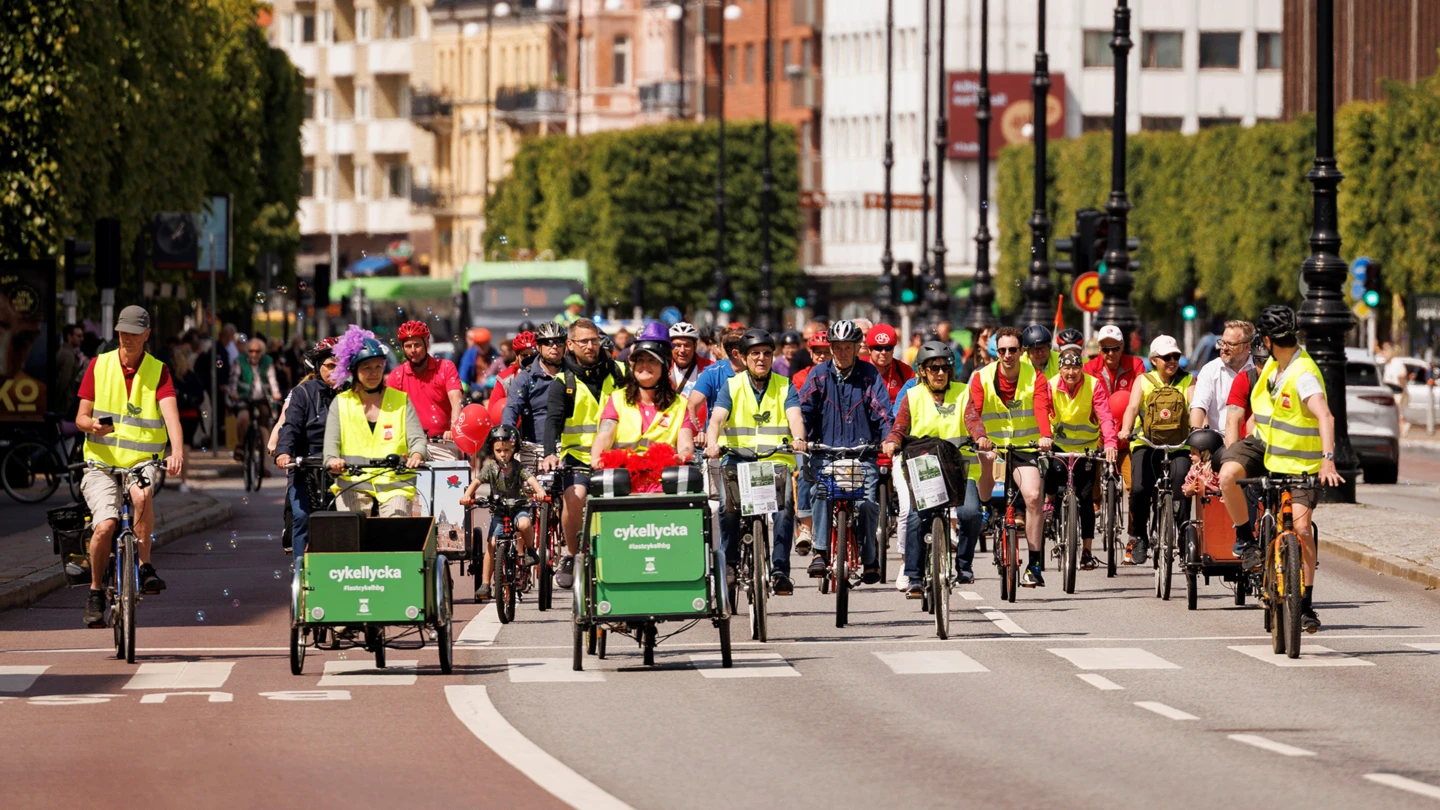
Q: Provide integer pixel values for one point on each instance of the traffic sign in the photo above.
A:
(1085, 292)
(1357, 289)
(1361, 309)
(1359, 268)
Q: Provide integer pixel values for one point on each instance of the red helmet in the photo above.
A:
(524, 340)
(411, 329)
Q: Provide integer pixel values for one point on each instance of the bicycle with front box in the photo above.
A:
(752, 570)
(840, 482)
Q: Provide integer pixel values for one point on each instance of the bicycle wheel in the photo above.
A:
(247, 460)
(1012, 563)
(940, 557)
(31, 472)
(76, 456)
(1192, 567)
(1111, 515)
(839, 549)
(297, 649)
(1274, 611)
(1070, 541)
(129, 592)
(1163, 546)
(503, 586)
(542, 557)
(884, 525)
(477, 561)
(1293, 590)
(759, 582)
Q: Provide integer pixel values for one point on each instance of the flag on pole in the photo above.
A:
(1059, 321)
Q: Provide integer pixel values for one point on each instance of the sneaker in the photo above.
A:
(1129, 554)
(1251, 557)
(565, 574)
(482, 593)
(805, 541)
(1309, 621)
(902, 582)
(150, 582)
(819, 566)
(964, 576)
(529, 560)
(780, 584)
(871, 575)
(915, 591)
(1088, 561)
(1137, 549)
(1032, 577)
(95, 609)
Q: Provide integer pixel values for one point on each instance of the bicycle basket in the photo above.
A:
(843, 479)
(71, 530)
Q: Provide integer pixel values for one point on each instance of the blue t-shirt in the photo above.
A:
(723, 400)
(714, 379)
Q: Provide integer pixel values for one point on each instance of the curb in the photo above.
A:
(1385, 564)
(28, 590)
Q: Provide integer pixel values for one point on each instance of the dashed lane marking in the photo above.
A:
(931, 662)
(181, 675)
(481, 630)
(1113, 658)
(1002, 621)
(19, 678)
(1435, 648)
(472, 706)
(1165, 711)
(1100, 682)
(364, 673)
(1311, 655)
(1397, 781)
(1270, 745)
(549, 670)
(970, 596)
(745, 665)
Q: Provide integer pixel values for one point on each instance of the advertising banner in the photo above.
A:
(28, 339)
(1011, 109)
(651, 546)
(365, 587)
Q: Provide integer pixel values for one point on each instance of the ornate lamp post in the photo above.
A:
(937, 290)
(982, 294)
(924, 155)
(1117, 281)
(885, 290)
(730, 12)
(1323, 316)
(1039, 289)
(763, 316)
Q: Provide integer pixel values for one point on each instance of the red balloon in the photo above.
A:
(467, 445)
(474, 423)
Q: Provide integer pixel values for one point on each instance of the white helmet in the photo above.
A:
(845, 332)
(685, 330)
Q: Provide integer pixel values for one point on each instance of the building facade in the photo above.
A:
(1374, 41)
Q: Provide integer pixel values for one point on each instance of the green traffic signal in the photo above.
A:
(1372, 298)
(799, 302)
(907, 296)
(1189, 312)
(726, 305)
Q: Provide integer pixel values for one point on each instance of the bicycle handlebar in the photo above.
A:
(1168, 448)
(1282, 481)
(751, 454)
(842, 452)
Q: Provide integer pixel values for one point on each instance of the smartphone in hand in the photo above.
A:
(108, 421)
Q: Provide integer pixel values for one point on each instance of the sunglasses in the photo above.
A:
(1110, 350)
(1008, 350)
(551, 342)
(1169, 358)
(882, 348)
(329, 366)
(938, 368)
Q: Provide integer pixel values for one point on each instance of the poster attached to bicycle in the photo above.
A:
(440, 488)
(759, 493)
(936, 472)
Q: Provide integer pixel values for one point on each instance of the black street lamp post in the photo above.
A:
(885, 291)
(579, 58)
(1117, 281)
(764, 317)
(1323, 316)
(1039, 289)
(982, 293)
(938, 290)
(720, 274)
(924, 154)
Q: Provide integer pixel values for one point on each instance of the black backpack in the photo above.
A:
(952, 465)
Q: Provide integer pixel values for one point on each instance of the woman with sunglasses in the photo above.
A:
(1146, 461)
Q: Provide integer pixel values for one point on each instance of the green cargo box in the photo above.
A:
(387, 587)
(651, 557)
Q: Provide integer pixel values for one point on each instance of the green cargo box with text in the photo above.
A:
(375, 587)
(652, 557)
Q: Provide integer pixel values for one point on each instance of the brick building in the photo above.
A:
(1375, 40)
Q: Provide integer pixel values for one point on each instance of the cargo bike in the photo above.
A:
(369, 582)
(646, 560)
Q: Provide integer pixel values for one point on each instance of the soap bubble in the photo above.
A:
(209, 547)
(504, 240)
(276, 575)
(244, 501)
(344, 655)
(219, 363)
(282, 289)
(234, 533)
(304, 286)
(225, 592)
(199, 615)
(259, 297)
(48, 539)
(525, 311)
(234, 603)
(234, 544)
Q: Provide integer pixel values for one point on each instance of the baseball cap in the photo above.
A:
(133, 320)
(1163, 345)
(1111, 332)
(881, 335)
(574, 300)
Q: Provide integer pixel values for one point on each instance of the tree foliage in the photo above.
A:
(642, 202)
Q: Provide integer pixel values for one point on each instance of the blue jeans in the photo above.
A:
(970, 527)
(782, 531)
(300, 508)
(868, 509)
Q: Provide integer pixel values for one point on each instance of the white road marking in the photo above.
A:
(1311, 655)
(1165, 711)
(365, 673)
(1427, 647)
(1100, 682)
(1397, 781)
(472, 706)
(549, 670)
(930, 662)
(481, 630)
(20, 678)
(745, 665)
(970, 596)
(1113, 658)
(1270, 745)
(181, 675)
(1001, 621)
(211, 697)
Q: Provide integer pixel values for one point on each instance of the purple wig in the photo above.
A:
(350, 344)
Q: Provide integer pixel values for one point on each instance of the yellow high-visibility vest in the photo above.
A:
(761, 426)
(1292, 443)
(665, 429)
(1011, 424)
(584, 420)
(358, 442)
(943, 420)
(139, 427)
(1078, 429)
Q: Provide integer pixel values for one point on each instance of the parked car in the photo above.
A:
(1374, 421)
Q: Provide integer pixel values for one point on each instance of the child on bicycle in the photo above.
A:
(1202, 478)
(508, 479)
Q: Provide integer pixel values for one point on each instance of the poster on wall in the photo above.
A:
(1011, 112)
(27, 339)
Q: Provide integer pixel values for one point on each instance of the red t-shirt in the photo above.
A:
(1240, 397)
(1131, 368)
(428, 391)
(165, 390)
(895, 376)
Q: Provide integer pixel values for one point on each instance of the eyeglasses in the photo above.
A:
(330, 366)
(1008, 350)
(595, 341)
(254, 351)
(1169, 358)
(1110, 349)
(1235, 344)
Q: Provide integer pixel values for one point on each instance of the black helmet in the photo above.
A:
(502, 433)
(933, 350)
(1070, 337)
(1276, 321)
(791, 338)
(756, 337)
(1205, 440)
(1035, 335)
(845, 332)
(550, 331)
(607, 344)
(526, 326)
(659, 348)
(1258, 349)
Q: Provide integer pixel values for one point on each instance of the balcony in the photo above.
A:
(312, 216)
(340, 59)
(388, 136)
(391, 56)
(431, 199)
(306, 59)
(812, 253)
(812, 175)
(310, 134)
(808, 12)
(530, 105)
(807, 92)
(340, 138)
(667, 98)
(431, 111)
(388, 216)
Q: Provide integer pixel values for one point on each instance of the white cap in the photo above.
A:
(1111, 332)
(1164, 345)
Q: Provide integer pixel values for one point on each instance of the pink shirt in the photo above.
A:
(429, 392)
(647, 415)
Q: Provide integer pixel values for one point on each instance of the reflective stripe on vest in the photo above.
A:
(1076, 431)
(926, 419)
(761, 426)
(359, 443)
(139, 427)
(665, 429)
(584, 419)
(1004, 426)
(1292, 440)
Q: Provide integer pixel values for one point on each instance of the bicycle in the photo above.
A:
(1164, 534)
(39, 459)
(940, 574)
(508, 577)
(1281, 578)
(1112, 515)
(753, 568)
(841, 482)
(1007, 530)
(1067, 546)
(252, 451)
(548, 540)
(122, 578)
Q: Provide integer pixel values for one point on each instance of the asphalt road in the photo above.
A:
(1417, 490)
(1108, 698)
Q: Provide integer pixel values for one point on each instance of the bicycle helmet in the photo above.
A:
(820, 340)
(411, 329)
(754, 338)
(1206, 440)
(317, 354)
(1258, 350)
(478, 335)
(1071, 337)
(502, 433)
(791, 338)
(550, 331)
(607, 345)
(1276, 321)
(660, 349)
(846, 332)
(934, 350)
(685, 330)
(526, 326)
(1033, 336)
(1072, 356)
(522, 341)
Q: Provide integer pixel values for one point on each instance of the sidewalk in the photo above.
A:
(1388, 541)
(30, 569)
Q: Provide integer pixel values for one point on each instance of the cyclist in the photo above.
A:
(369, 421)
(882, 342)
(818, 345)
(433, 386)
(574, 306)
(1217, 377)
(845, 403)
(1036, 342)
(1010, 405)
(253, 384)
(526, 406)
(572, 417)
(507, 479)
(523, 345)
(789, 347)
(713, 379)
(936, 409)
(1237, 404)
(476, 359)
(1080, 407)
(647, 409)
(132, 391)
(684, 338)
(1294, 435)
(758, 410)
(302, 433)
(1160, 408)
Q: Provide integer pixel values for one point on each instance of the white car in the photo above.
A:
(1417, 411)
(1374, 421)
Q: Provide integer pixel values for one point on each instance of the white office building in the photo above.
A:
(1195, 63)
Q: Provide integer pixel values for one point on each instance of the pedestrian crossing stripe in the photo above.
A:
(341, 674)
(745, 665)
(181, 675)
(931, 662)
(1311, 655)
(549, 670)
(1113, 658)
(20, 678)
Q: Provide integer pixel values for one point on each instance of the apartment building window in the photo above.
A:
(397, 180)
(1219, 51)
(327, 105)
(307, 182)
(327, 26)
(620, 61)
(362, 25)
(322, 182)
(786, 52)
(807, 53)
(309, 103)
(1096, 123)
(307, 28)
(362, 182)
(362, 103)
(407, 21)
(1097, 49)
(1217, 121)
(1267, 51)
(1161, 123)
(750, 63)
(1162, 49)
(730, 64)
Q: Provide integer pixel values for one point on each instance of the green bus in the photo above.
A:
(387, 302)
(499, 295)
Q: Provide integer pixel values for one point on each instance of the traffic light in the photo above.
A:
(885, 292)
(906, 281)
(800, 302)
(1373, 284)
(727, 305)
(819, 299)
(75, 250)
(1189, 312)
(725, 297)
(107, 253)
(1086, 246)
(637, 292)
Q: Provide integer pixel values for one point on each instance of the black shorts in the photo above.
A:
(1019, 459)
(1249, 453)
(572, 473)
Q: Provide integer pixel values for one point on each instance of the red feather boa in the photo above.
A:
(645, 466)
